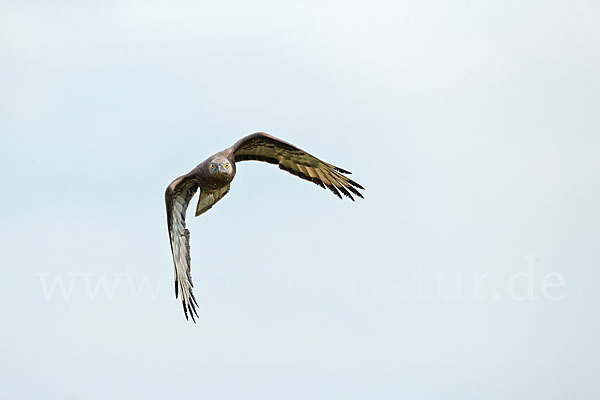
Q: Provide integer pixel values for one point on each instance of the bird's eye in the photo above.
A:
(227, 165)
(212, 166)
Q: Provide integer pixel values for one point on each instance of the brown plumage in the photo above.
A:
(213, 177)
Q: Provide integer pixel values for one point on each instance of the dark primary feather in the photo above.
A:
(261, 146)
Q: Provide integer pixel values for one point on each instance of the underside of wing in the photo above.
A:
(208, 198)
(177, 197)
(261, 146)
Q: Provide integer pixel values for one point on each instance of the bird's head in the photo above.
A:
(220, 168)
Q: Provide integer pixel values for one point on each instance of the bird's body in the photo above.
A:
(213, 178)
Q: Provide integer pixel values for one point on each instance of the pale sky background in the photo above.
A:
(473, 125)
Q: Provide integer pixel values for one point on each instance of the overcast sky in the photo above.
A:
(470, 270)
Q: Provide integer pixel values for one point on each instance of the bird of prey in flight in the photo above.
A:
(213, 177)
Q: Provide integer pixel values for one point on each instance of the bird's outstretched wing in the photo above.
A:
(261, 146)
(177, 197)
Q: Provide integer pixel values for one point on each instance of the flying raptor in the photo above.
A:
(213, 177)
